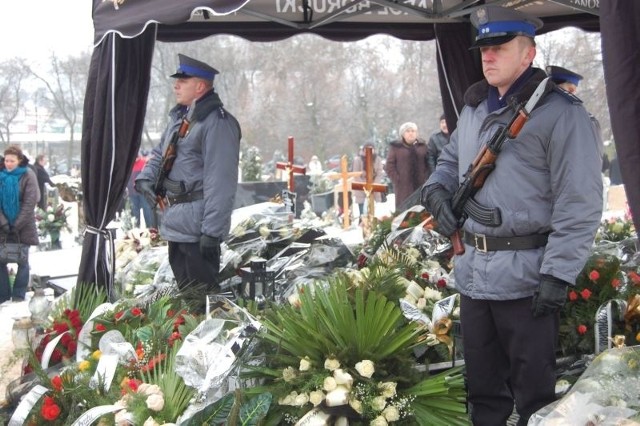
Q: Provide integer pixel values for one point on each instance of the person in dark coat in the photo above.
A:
(43, 177)
(19, 194)
(436, 142)
(406, 163)
(201, 186)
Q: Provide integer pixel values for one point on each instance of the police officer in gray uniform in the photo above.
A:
(515, 272)
(201, 186)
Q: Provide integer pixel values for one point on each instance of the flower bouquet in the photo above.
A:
(52, 221)
(342, 353)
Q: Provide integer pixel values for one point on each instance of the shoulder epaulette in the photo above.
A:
(569, 96)
(222, 113)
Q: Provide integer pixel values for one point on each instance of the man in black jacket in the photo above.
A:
(436, 142)
(43, 177)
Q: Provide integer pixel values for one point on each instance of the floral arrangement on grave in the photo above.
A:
(143, 388)
(600, 282)
(343, 352)
(52, 221)
(320, 184)
(616, 229)
(251, 165)
(65, 322)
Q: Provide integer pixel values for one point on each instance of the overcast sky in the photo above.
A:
(32, 29)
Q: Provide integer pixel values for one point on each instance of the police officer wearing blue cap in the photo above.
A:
(201, 186)
(565, 79)
(514, 275)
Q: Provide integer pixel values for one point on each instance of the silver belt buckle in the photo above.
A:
(480, 239)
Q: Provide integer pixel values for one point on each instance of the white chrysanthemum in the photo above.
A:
(421, 303)
(365, 368)
(264, 231)
(432, 294)
(50, 217)
(413, 254)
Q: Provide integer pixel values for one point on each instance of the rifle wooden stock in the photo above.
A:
(168, 159)
(480, 168)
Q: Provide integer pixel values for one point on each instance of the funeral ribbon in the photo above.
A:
(604, 324)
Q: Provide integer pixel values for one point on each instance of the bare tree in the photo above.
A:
(13, 73)
(65, 85)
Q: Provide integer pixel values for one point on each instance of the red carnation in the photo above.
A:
(425, 276)
(101, 328)
(56, 382)
(582, 329)
(72, 347)
(586, 294)
(634, 277)
(136, 312)
(50, 411)
(573, 296)
(118, 315)
(594, 275)
(615, 283)
(442, 283)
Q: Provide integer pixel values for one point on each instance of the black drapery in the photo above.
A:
(114, 108)
(458, 68)
(620, 32)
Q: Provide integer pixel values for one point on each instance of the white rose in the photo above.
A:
(289, 399)
(305, 364)
(331, 364)
(150, 422)
(387, 389)
(356, 405)
(50, 218)
(338, 396)
(365, 368)
(288, 374)
(379, 421)
(316, 397)
(155, 402)
(378, 403)
(329, 384)
(342, 377)
(301, 399)
(391, 413)
(148, 389)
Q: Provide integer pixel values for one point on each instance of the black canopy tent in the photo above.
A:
(126, 30)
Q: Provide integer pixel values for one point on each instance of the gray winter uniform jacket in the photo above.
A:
(547, 180)
(207, 161)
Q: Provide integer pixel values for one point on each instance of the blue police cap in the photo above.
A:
(190, 67)
(498, 25)
(561, 75)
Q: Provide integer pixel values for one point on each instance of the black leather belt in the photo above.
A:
(187, 197)
(526, 242)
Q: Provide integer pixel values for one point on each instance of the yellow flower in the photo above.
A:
(84, 365)
(96, 354)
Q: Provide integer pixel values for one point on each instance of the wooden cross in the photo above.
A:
(369, 187)
(345, 175)
(290, 168)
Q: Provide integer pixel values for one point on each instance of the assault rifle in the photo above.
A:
(169, 156)
(485, 160)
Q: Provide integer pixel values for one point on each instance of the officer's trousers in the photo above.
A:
(509, 357)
